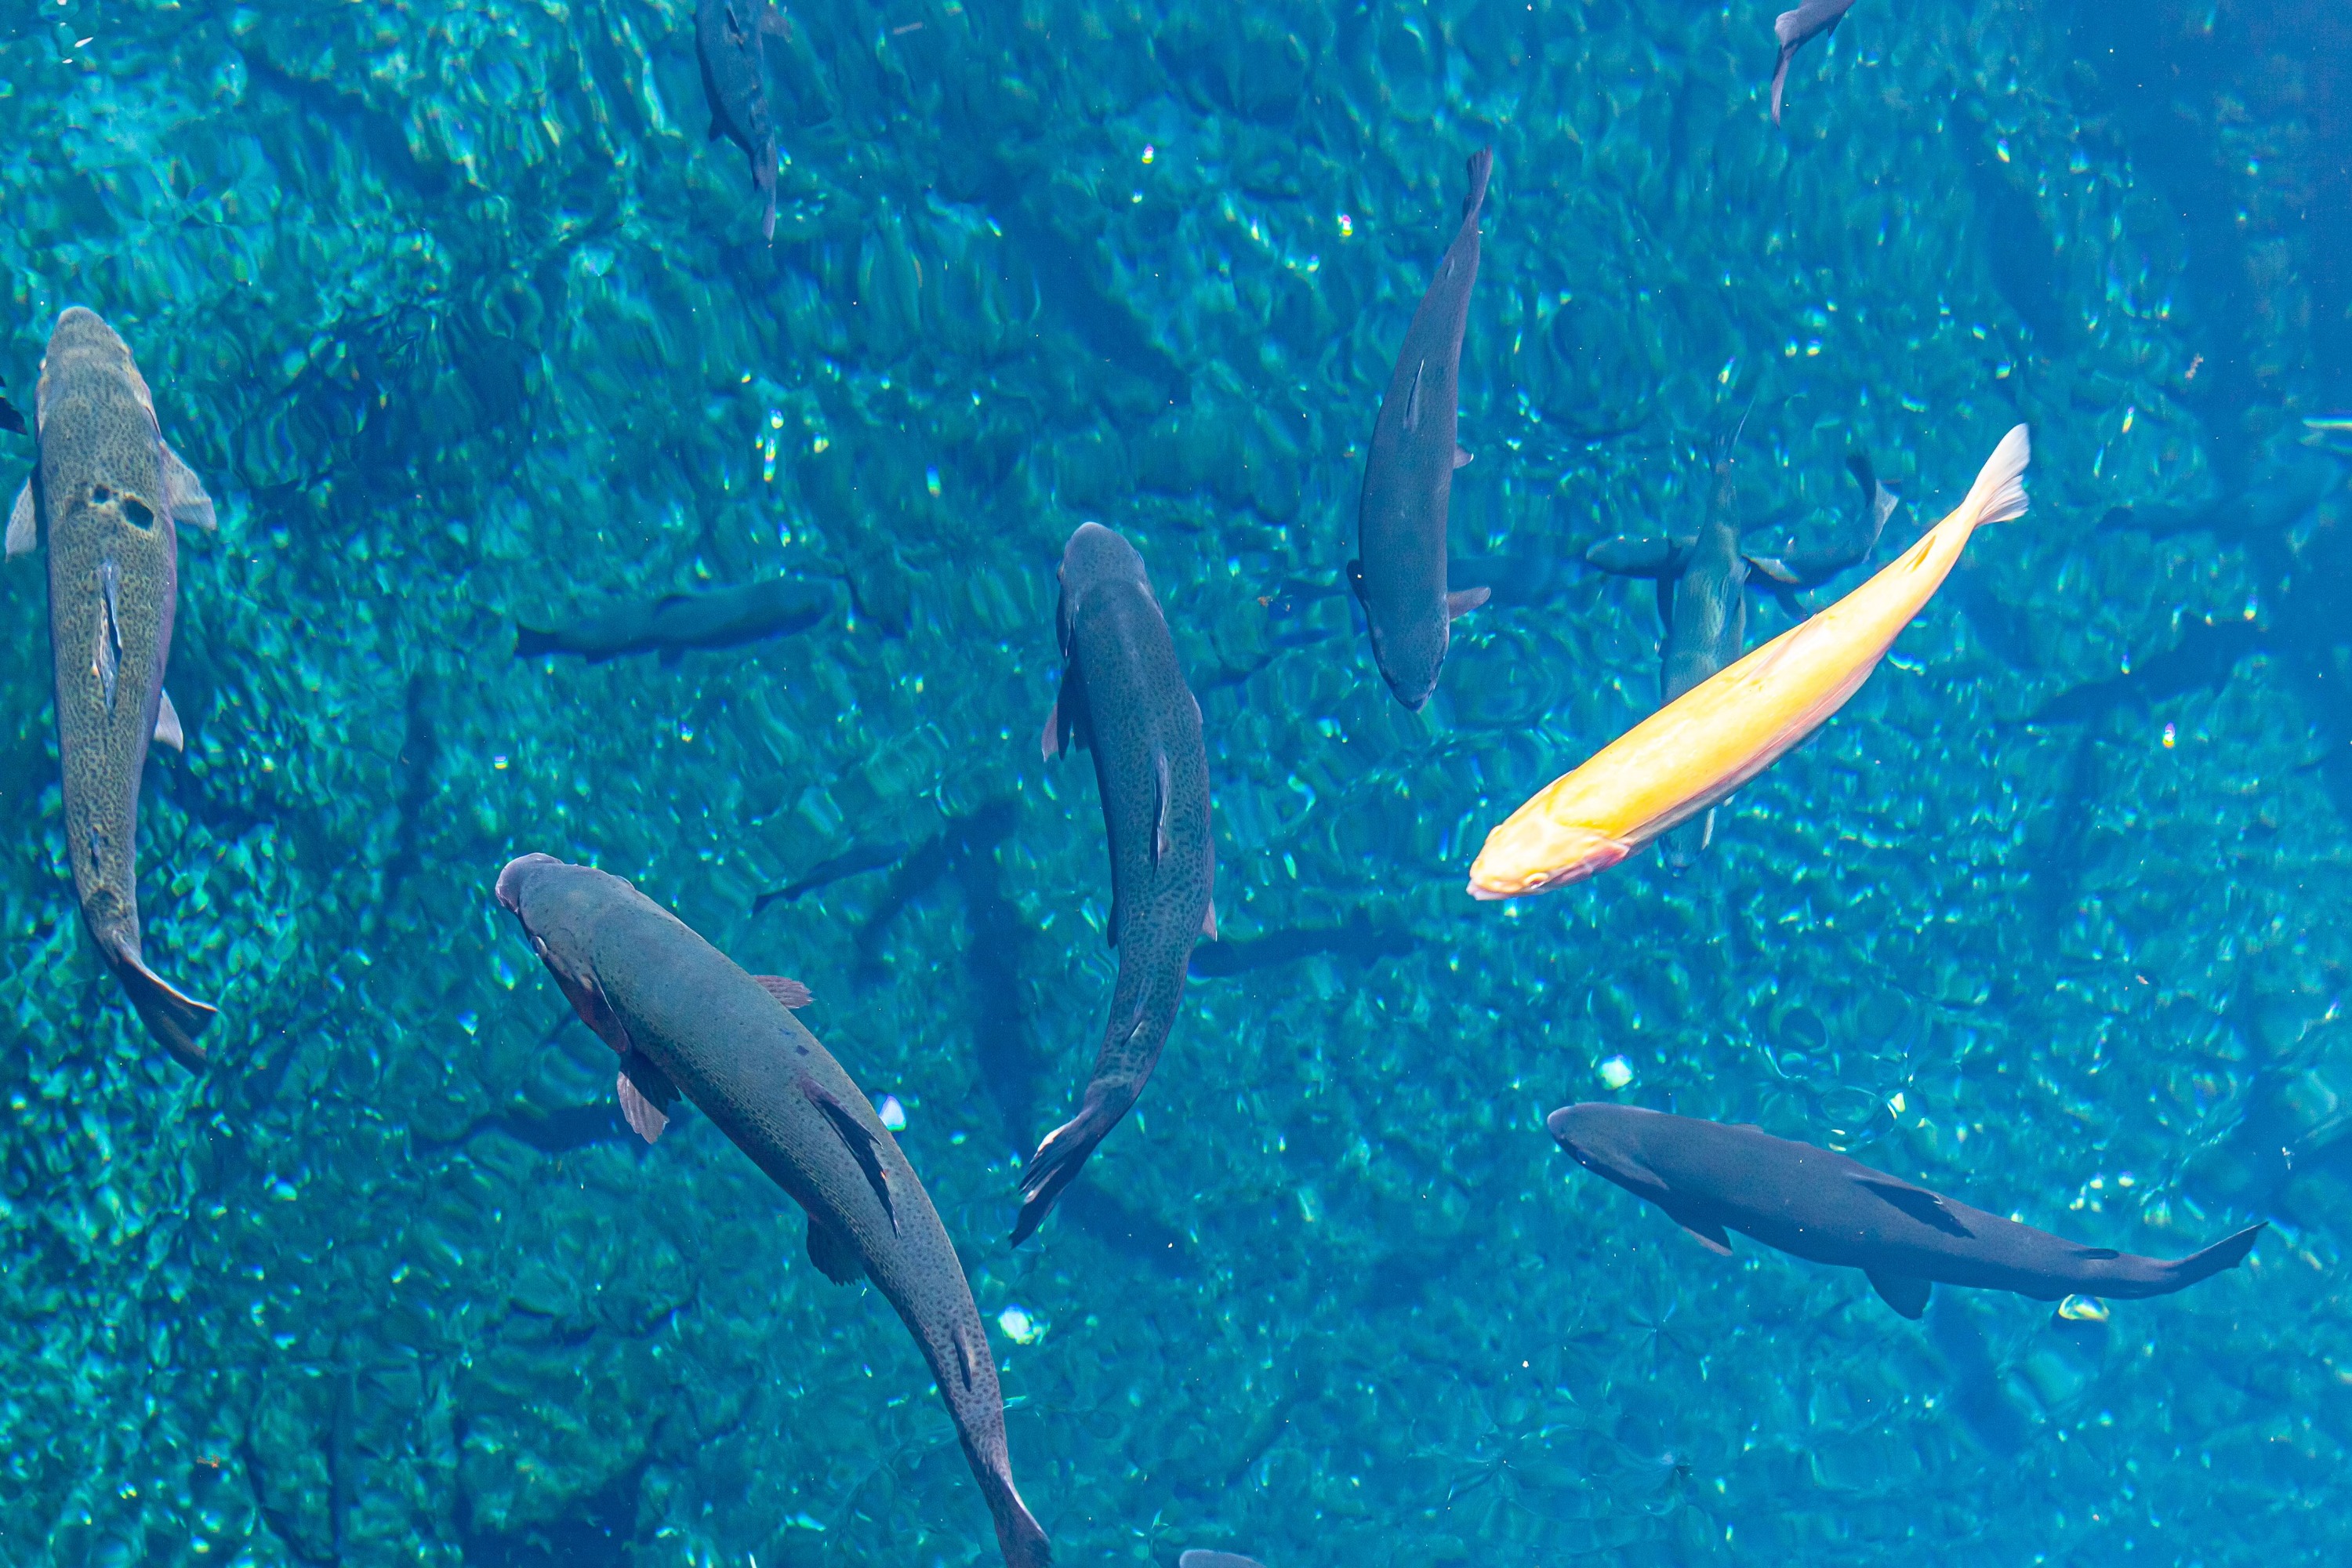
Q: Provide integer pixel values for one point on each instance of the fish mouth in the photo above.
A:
(510, 879)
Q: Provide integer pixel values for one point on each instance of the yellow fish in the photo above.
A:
(1695, 752)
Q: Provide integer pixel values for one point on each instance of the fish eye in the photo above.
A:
(99, 495)
(137, 511)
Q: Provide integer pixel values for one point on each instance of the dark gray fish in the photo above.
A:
(1123, 698)
(722, 617)
(1816, 1204)
(1851, 546)
(1399, 569)
(2279, 501)
(1360, 940)
(686, 1020)
(105, 498)
(2206, 656)
(1797, 28)
(729, 38)
(1703, 606)
(834, 869)
(10, 419)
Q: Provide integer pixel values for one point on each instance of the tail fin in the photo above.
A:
(173, 1018)
(530, 642)
(1019, 1535)
(2227, 1253)
(1057, 1162)
(1482, 163)
(1998, 494)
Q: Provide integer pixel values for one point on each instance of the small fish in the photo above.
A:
(1358, 940)
(10, 419)
(2206, 656)
(1196, 1558)
(730, 38)
(1797, 28)
(2283, 498)
(1695, 752)
(1123, 698)
(849, 863)
(105, 497)
(1849, 547)
(683, 1019)
(1399, 569)
(721, 617)
(1813, 1203)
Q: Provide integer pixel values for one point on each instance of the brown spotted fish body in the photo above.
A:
(686, 1020)
(105, 498)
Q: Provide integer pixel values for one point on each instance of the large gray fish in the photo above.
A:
(1124, 699)
(729, 38)
(1399, 572)
(686, 1020)
(722, 617)
(1797, 28)
(1820, 1205)
(105, 497)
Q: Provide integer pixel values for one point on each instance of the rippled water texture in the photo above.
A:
(463, 322)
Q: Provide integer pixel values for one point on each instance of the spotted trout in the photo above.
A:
(1695, 752)
(1123, 698)
(105, 495)
(1399, 573)
(729, 36)
(683, 1019)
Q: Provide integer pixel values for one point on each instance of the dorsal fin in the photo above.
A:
(790, 992)
(1917, 1202)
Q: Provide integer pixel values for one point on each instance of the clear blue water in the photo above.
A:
(463, 322)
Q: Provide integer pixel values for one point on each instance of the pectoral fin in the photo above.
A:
(856, 1137)
(1708, 1230)
(24, 530)
(184, 493)
(1209, 920)
(790, 992)
(1917, 1202)
(645, 1094)
(1461, 458)
(1906, 1293)
(1158, 806)
(1463, 601)
(834, 1253)
(167, 725)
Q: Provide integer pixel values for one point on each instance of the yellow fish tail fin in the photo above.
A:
(1998, 494)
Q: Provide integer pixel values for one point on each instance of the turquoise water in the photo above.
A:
(463, 322)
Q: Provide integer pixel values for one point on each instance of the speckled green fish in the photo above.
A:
(105, 497)
(686, 1020)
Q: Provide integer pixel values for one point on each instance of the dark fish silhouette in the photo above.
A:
(105, 498)
(723, 618)
(1820, 1205)
(1123, 698)
(1797, 28)
(9, 418)
(1399, 569)
(1358, 938)
(730, 38)
(1851, 546)
(834, 869)
(2207, 655)
(686, 1020)
(2279, 500)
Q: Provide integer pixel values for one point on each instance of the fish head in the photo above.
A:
(80, 344)
(1409, 656)
(1606, 1140)
(556, 903)
(1096, 559)
(1531, 853)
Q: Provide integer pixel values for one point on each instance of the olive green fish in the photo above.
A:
(686, 1020)
(105, 496)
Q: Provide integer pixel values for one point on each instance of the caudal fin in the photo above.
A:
(2227, 1253)
(1018, 1535)
(1998, 494)
(175, 1018)
(1056, 1163)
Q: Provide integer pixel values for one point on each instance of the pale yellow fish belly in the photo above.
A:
(1697, 750)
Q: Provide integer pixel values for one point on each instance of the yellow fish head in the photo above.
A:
(1532, 853)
